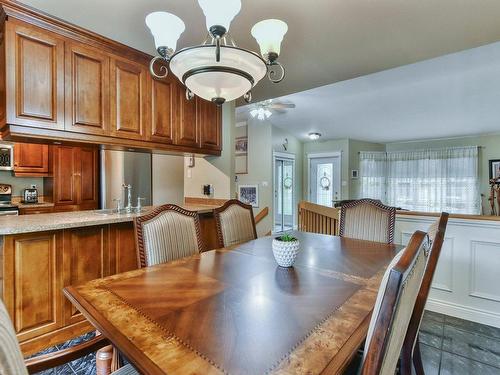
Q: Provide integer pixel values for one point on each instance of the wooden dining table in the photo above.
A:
(235, 311)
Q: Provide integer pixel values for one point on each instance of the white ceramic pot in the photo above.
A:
(285, 253)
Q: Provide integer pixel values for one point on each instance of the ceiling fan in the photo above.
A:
(263, 110)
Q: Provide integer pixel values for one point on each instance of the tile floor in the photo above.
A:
(455, 346)
(450, 346)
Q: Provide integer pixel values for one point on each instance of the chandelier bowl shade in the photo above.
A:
(166, 29)
(237, 72)
(220, 12)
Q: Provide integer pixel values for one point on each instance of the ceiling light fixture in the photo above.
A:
(314, 136)
(217, 70)
(261, 113)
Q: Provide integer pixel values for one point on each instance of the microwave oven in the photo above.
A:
(6, 157)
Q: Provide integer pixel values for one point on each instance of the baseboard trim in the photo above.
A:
(463, 312)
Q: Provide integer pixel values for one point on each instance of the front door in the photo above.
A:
(324, 180)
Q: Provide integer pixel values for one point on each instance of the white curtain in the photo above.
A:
(373, 174)
(427, 180)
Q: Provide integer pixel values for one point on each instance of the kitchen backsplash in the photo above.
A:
(20, 183)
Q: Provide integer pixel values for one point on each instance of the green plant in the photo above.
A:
(286, 238)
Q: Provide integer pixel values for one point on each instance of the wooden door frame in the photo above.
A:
(290, 157)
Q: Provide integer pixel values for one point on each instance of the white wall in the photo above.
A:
(215, 170)
(467, 278)
(202, 174)
(168, 179)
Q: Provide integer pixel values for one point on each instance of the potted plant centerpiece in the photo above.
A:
(285, 249)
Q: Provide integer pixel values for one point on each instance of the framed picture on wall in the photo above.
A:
(241, 148)
(249, 194)
(241, 145)
(495, 169)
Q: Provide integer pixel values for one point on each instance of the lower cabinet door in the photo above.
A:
(123, 252)
(33, 283)
(85, 258)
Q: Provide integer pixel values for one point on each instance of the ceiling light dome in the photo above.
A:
(314, 136)
(237, 72)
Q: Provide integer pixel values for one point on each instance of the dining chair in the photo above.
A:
(169, 232)
(367, 219)
(235, 223)
(393, 308)
(411, 348)
(13, 363)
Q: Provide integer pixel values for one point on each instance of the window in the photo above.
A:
(424, 180)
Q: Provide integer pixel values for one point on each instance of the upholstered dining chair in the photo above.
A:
(411, 348)
(235, 223)
(367, 219)
(13, 363)
(168, 233)
(393, 308)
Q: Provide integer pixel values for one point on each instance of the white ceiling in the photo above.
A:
(449, 96)
(328, 40)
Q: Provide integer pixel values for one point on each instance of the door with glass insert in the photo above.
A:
(324, 180)
(284, 181)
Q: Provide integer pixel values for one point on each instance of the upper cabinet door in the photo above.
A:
(35, 77)
(163, 99)
(186, 132)
(129, 98)
(209, 120)
(87, 90)
(31, 159)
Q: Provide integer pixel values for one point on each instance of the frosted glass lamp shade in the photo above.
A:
(236, 73)
(166, 29)
(269, 34)
(220, 12)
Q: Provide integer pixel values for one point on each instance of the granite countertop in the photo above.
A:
(34, 205)
(74, 219)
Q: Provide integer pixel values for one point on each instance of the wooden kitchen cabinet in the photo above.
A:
(31, 160)
(37, 266)
(129, 99)
(87, 90)
(33, 282)
(163, 109)
(186, 131)
(209, 122)
(75, 178)
(71, 84)
(123, 255)
(34, 77)
(85, 258)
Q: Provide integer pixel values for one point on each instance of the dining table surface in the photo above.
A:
(235, 311)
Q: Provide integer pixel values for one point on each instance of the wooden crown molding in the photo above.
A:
(25, 13)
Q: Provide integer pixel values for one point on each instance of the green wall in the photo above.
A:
(260, 170)
(490, 149)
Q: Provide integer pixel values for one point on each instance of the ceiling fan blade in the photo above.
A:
(282, 105)
(279, 111)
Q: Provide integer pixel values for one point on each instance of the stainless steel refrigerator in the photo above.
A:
(129, 168)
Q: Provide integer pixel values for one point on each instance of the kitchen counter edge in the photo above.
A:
(76, 219)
